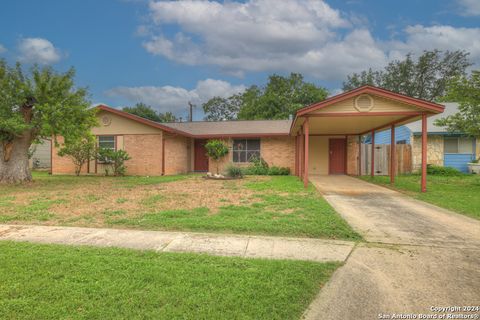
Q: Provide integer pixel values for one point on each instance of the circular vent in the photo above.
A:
(364, 103)
(106, 121)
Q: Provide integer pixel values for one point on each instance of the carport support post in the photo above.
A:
(393, 160)
(373, 155)
(306, 129)
(424, 153)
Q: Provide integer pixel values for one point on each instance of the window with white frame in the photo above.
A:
(245, 149)
(106, 142)
(459, 145)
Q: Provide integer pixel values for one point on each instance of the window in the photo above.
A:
(245, 149)
(106, 142)
(458, 145)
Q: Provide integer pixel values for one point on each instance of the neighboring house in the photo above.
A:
(323, 138)
(444, 148)
(41, 154)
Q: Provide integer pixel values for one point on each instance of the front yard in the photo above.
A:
(255, 205)
(456, 193)
(61, 282)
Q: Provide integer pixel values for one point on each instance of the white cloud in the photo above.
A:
(470, 7)
(2, 49)
(169, 98)
(306, 36)
(38, 50)
(421, 38)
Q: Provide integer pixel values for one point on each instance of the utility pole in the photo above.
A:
(191, 110)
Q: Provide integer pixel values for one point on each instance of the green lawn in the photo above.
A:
(456, 193)
(62, 282)
(255, 205)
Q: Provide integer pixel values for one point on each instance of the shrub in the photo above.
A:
(442, 171)
(278, 171)
(80, 151)
(258, 167)
(234, 171)
(216, 150)
(114, 161)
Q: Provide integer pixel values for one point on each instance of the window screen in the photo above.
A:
(458, 145)
(106, 142)
(465, 145)
(245, 149)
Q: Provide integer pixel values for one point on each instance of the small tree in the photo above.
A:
(80, 150)
(114, 160)
(216, 150)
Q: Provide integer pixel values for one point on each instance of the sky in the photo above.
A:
(167, 53)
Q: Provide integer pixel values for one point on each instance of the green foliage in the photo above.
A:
(234, 171)
(280, 98)
(465, 91)
(278, 171)
(113, 160)
(147, 112)
(42, 103)
(260, 167)
(80, 151)
(80, 282)
(442, 171)
(426, 78)
(219, 109)
(216, 150)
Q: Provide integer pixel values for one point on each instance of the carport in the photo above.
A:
(328, 133)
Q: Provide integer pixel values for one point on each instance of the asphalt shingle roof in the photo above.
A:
(232, 127)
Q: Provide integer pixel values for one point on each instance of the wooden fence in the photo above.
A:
(382, 159)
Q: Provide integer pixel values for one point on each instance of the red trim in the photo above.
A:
(332, 134)
(345, 157)
(305, 177)
(372, 169)
(141, 120)
(241, 135)
(389, 124)
(428, 105)
(393, 151)
(431, 106)
(363, 114)
(296, 155)
(163, 155)
(424, 153)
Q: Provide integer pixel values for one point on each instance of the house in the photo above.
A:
(323, 138)
(41, 154)
(444, 148)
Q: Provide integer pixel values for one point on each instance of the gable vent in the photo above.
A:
(364, 103)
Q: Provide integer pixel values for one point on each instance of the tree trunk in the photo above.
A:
(14, 164)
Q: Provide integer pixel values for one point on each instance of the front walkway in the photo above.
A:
(216, 244)
(417, 255)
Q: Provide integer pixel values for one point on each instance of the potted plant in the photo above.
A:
(474, 166)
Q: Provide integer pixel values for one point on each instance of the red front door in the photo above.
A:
(201, 159)
(336, 150)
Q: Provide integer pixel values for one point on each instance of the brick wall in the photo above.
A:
(279, 151)
(177, 154)
(276, 151)
(63, 165)
(146, 154)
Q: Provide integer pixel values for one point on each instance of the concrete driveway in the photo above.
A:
(417, 256)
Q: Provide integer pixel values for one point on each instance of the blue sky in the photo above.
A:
(167, 53)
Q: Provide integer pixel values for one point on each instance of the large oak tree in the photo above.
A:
(37, 104)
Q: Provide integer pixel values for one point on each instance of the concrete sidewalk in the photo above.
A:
(216, 244)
